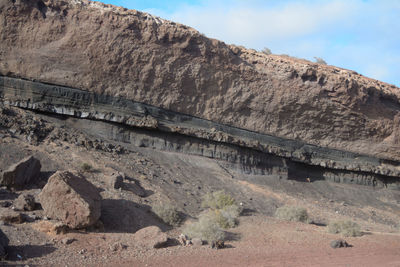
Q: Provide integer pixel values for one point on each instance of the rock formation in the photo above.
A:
(21, 173)
(71, 199)
(96, 61)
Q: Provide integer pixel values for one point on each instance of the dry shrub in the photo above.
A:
(168, 214)
(86, 167)
(226, 217)
(292, 213)
(346, 228)
(217, 200)
(266, 51)
(320, 60)
(206, 228)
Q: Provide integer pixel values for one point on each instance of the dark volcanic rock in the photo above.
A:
(115, 180)
(71, 199)
(22, 173)
(340, 243)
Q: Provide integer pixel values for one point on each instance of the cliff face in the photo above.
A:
(133, 55)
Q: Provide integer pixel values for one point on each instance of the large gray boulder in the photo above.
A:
(71, 199)
(22, 173)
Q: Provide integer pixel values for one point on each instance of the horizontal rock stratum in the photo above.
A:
(132, 55)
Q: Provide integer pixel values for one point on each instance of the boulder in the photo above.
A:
(25, 202)
(340, 243)
(115, 180)
(3, 245)
(219, 244)
(71, 199)
(22, 173)
(151, 237)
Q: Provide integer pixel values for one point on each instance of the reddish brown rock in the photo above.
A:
(126, 53)
(22, 173)
(151, 237)
(71, 199)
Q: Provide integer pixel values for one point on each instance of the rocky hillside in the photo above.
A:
(136, 56)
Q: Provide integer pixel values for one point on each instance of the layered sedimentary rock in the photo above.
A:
(96, 61)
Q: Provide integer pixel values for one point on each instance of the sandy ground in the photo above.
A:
(257, 241)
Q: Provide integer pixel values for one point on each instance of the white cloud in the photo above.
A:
(242, 23)
(359, 35)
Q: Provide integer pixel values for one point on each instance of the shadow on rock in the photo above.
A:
(17, 253)
(7, 195)
(135, 187)
(123, 216)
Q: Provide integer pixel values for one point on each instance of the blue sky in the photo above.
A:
(362, 35)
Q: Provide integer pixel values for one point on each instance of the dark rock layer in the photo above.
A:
(132, 55)
(148, 126)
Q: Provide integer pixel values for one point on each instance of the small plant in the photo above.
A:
(168, 214)
(346, 228)
(266, 51)
(320, 60)
(206, 228)
(86, 167)
(292, 213)
(217, 200)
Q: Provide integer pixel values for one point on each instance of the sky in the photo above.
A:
(361, 35)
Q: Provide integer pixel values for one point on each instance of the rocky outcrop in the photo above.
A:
(273, 114)
(189, 134)
(22, 173)
(132, 55)
(71, 199)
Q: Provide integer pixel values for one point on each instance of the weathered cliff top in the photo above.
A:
(134, 55)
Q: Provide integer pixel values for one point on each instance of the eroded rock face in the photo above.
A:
(137, 56)
(71, 199)
(22, 173)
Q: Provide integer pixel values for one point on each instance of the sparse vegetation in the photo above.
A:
(222, 214)
(266, 51)
(320, 60)
(346, 228)
(206, 228)
(168, 214)
(86, 167)
(226, 217)
(217, 200)
(292, 213)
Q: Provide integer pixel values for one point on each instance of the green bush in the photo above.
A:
(292, 213)
(206, 228)
(217, 200)
(168, 214)
(86, 167)
(346, 228)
